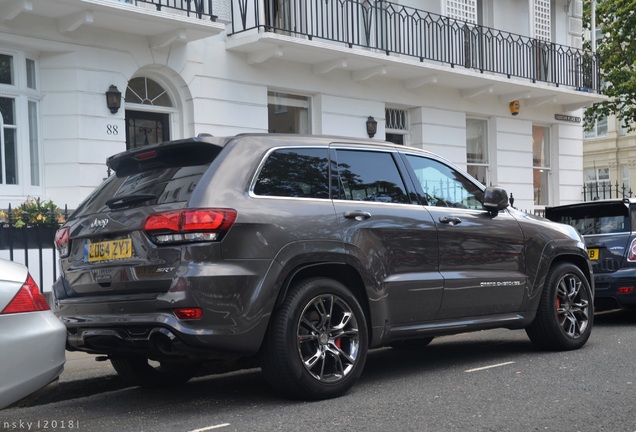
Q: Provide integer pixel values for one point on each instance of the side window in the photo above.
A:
(302, 173)
(370, 176)
(443, 186)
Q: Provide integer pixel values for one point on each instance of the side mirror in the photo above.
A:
(495, 199)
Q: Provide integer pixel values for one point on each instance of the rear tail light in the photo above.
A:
(631, 254)
(194, 225)
(63, 241)
(625, 290)
(188, 313)
(28, 299)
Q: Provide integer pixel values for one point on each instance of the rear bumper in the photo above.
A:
(615, 290)
(161, 335)
(235, 303)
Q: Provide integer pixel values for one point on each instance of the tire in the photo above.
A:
(316, 344)
(138, 371)
(412, 344)
(566, 310)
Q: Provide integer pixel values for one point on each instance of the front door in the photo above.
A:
(144, 128)
(481, 257)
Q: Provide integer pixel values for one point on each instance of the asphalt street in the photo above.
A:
(84, 375)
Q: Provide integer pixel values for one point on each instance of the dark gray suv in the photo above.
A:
(304, 252)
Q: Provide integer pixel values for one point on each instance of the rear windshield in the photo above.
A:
(150, 184)
(600, 219)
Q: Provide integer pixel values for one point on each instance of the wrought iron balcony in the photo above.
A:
(394, 29)
(201, 9)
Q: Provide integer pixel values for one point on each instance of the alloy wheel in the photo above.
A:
(328, 338)
(572, 306)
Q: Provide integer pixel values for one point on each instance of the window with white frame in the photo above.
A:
(19, 106)
(599, 129)
(542, 20)
(596, 181)
(464, 10)
(626, 189)
(541, 164)
(396, 125)
(477, 149)
(288, 113)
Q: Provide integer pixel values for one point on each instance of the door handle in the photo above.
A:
(450, 220)
(358, 215)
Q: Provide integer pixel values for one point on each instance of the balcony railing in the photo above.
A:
(395, 29)
(201, 9)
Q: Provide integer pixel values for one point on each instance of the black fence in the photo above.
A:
(32, 243)
(201, 9)
(605, 190)
(396, 29)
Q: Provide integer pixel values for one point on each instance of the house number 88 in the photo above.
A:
(111, 129)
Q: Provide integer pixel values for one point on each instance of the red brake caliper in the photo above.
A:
(337, 343)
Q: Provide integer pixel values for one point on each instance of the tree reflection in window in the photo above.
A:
(302, 173)
(370, 176)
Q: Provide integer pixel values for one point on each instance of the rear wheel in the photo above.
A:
(565, 315)
(316, 345)
(150, 374)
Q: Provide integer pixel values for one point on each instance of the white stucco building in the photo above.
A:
(434, 74)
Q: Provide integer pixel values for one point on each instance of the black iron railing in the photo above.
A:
(605, 190)
(27, 243)
(395, 29)
(201, 9)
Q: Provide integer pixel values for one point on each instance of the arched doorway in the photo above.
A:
(149, 108)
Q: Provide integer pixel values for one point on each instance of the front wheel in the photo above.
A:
(566, 310)
(316, 345)
(142, 372)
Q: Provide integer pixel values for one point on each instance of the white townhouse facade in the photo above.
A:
(609, 160)
(495, 86)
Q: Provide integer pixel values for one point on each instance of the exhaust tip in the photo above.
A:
(162, 340)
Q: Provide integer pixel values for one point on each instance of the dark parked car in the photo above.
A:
(608, 229)
(305, 252)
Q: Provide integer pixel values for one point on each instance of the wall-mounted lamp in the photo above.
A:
(372, 127)
(113, 98)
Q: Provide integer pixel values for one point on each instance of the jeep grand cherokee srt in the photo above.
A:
(305, 252)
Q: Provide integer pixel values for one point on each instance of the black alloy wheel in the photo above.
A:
(316, 346)
(566, 311)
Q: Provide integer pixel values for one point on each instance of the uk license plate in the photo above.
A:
(109, 250)
(593, 254)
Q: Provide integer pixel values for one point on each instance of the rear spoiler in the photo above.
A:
(187, 152)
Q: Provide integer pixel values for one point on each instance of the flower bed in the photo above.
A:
(30, 225)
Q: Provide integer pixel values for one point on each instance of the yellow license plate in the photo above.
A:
(109, 250)
(593, 253)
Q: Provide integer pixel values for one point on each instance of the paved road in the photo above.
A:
(486, 381)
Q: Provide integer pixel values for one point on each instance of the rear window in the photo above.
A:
(164, 179)
(600, 219)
